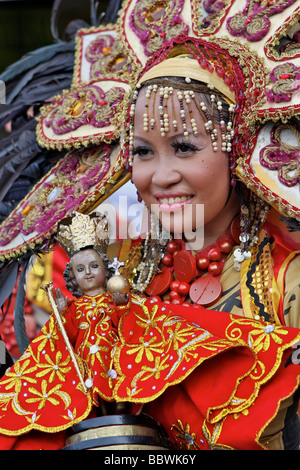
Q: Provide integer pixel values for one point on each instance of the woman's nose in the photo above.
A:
(165, 173)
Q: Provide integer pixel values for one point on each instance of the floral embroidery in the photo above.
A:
(179, 334)
(45, 394)
(54, 196)
(260, 336)
(185, 439)
(165, 345)
(283, 157)
(17, 376)
(253, 22)
(87, 105)
(106, 57)
(146, 347)
(48, 335)
(57, 368)
(159, 366)
(285, 78)
(155, 23)
(265, 334)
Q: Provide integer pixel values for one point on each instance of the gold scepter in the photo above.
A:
(48, 288)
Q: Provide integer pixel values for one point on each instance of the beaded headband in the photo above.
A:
(190, 69)
(186, 99)
(194, 64)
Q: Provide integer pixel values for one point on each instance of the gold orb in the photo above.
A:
(119, 284)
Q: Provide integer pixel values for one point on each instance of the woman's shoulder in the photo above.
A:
(283, 238)
(284, 246)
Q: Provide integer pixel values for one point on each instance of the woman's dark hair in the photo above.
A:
(69, 277)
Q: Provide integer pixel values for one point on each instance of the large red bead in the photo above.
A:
(215, 268)
(177, 301)
(167, 259)
(160, 284)
(206, 290)
(184, 266)
(183, 288)
(156, 298)
(172, 246)
(174, 295)
(214, 254)
(226, 246)
(175, 285)
(203, 263)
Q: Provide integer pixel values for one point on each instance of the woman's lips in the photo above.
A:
(168, 203)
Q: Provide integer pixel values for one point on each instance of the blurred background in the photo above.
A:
(25, 25)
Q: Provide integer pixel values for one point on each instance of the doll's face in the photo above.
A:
(173, 174)
(89, 271)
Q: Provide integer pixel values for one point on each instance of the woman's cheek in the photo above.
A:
(140, 178)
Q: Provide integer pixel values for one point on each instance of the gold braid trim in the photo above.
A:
(262, 282)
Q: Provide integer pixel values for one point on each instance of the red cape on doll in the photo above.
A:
(135, 352)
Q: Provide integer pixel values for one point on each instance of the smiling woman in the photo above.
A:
(176, 169)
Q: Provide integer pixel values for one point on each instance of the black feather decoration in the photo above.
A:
(293, 225)
(112, 11)
(8, 279)
(15, 155)
(19, 318)
(49, 73)
(33, 59)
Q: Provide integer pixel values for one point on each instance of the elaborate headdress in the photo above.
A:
(82, 231)
(248, 50)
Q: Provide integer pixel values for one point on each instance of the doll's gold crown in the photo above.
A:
(82, 231)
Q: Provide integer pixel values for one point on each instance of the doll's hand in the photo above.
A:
(119, 299)
(60, 300)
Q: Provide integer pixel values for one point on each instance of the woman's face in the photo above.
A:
(175, 176)
(89, 271)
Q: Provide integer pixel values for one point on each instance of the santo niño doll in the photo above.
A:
(89, 269)
(71, 373)
(88, 322)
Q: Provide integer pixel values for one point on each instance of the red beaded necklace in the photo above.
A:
(196, 276)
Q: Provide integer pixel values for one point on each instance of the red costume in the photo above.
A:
(215, 368)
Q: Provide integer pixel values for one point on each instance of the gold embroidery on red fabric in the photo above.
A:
(185, 439)
(55, 369)
(212, 437)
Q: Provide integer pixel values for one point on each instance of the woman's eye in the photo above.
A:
(184, 148)
(141, 151)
